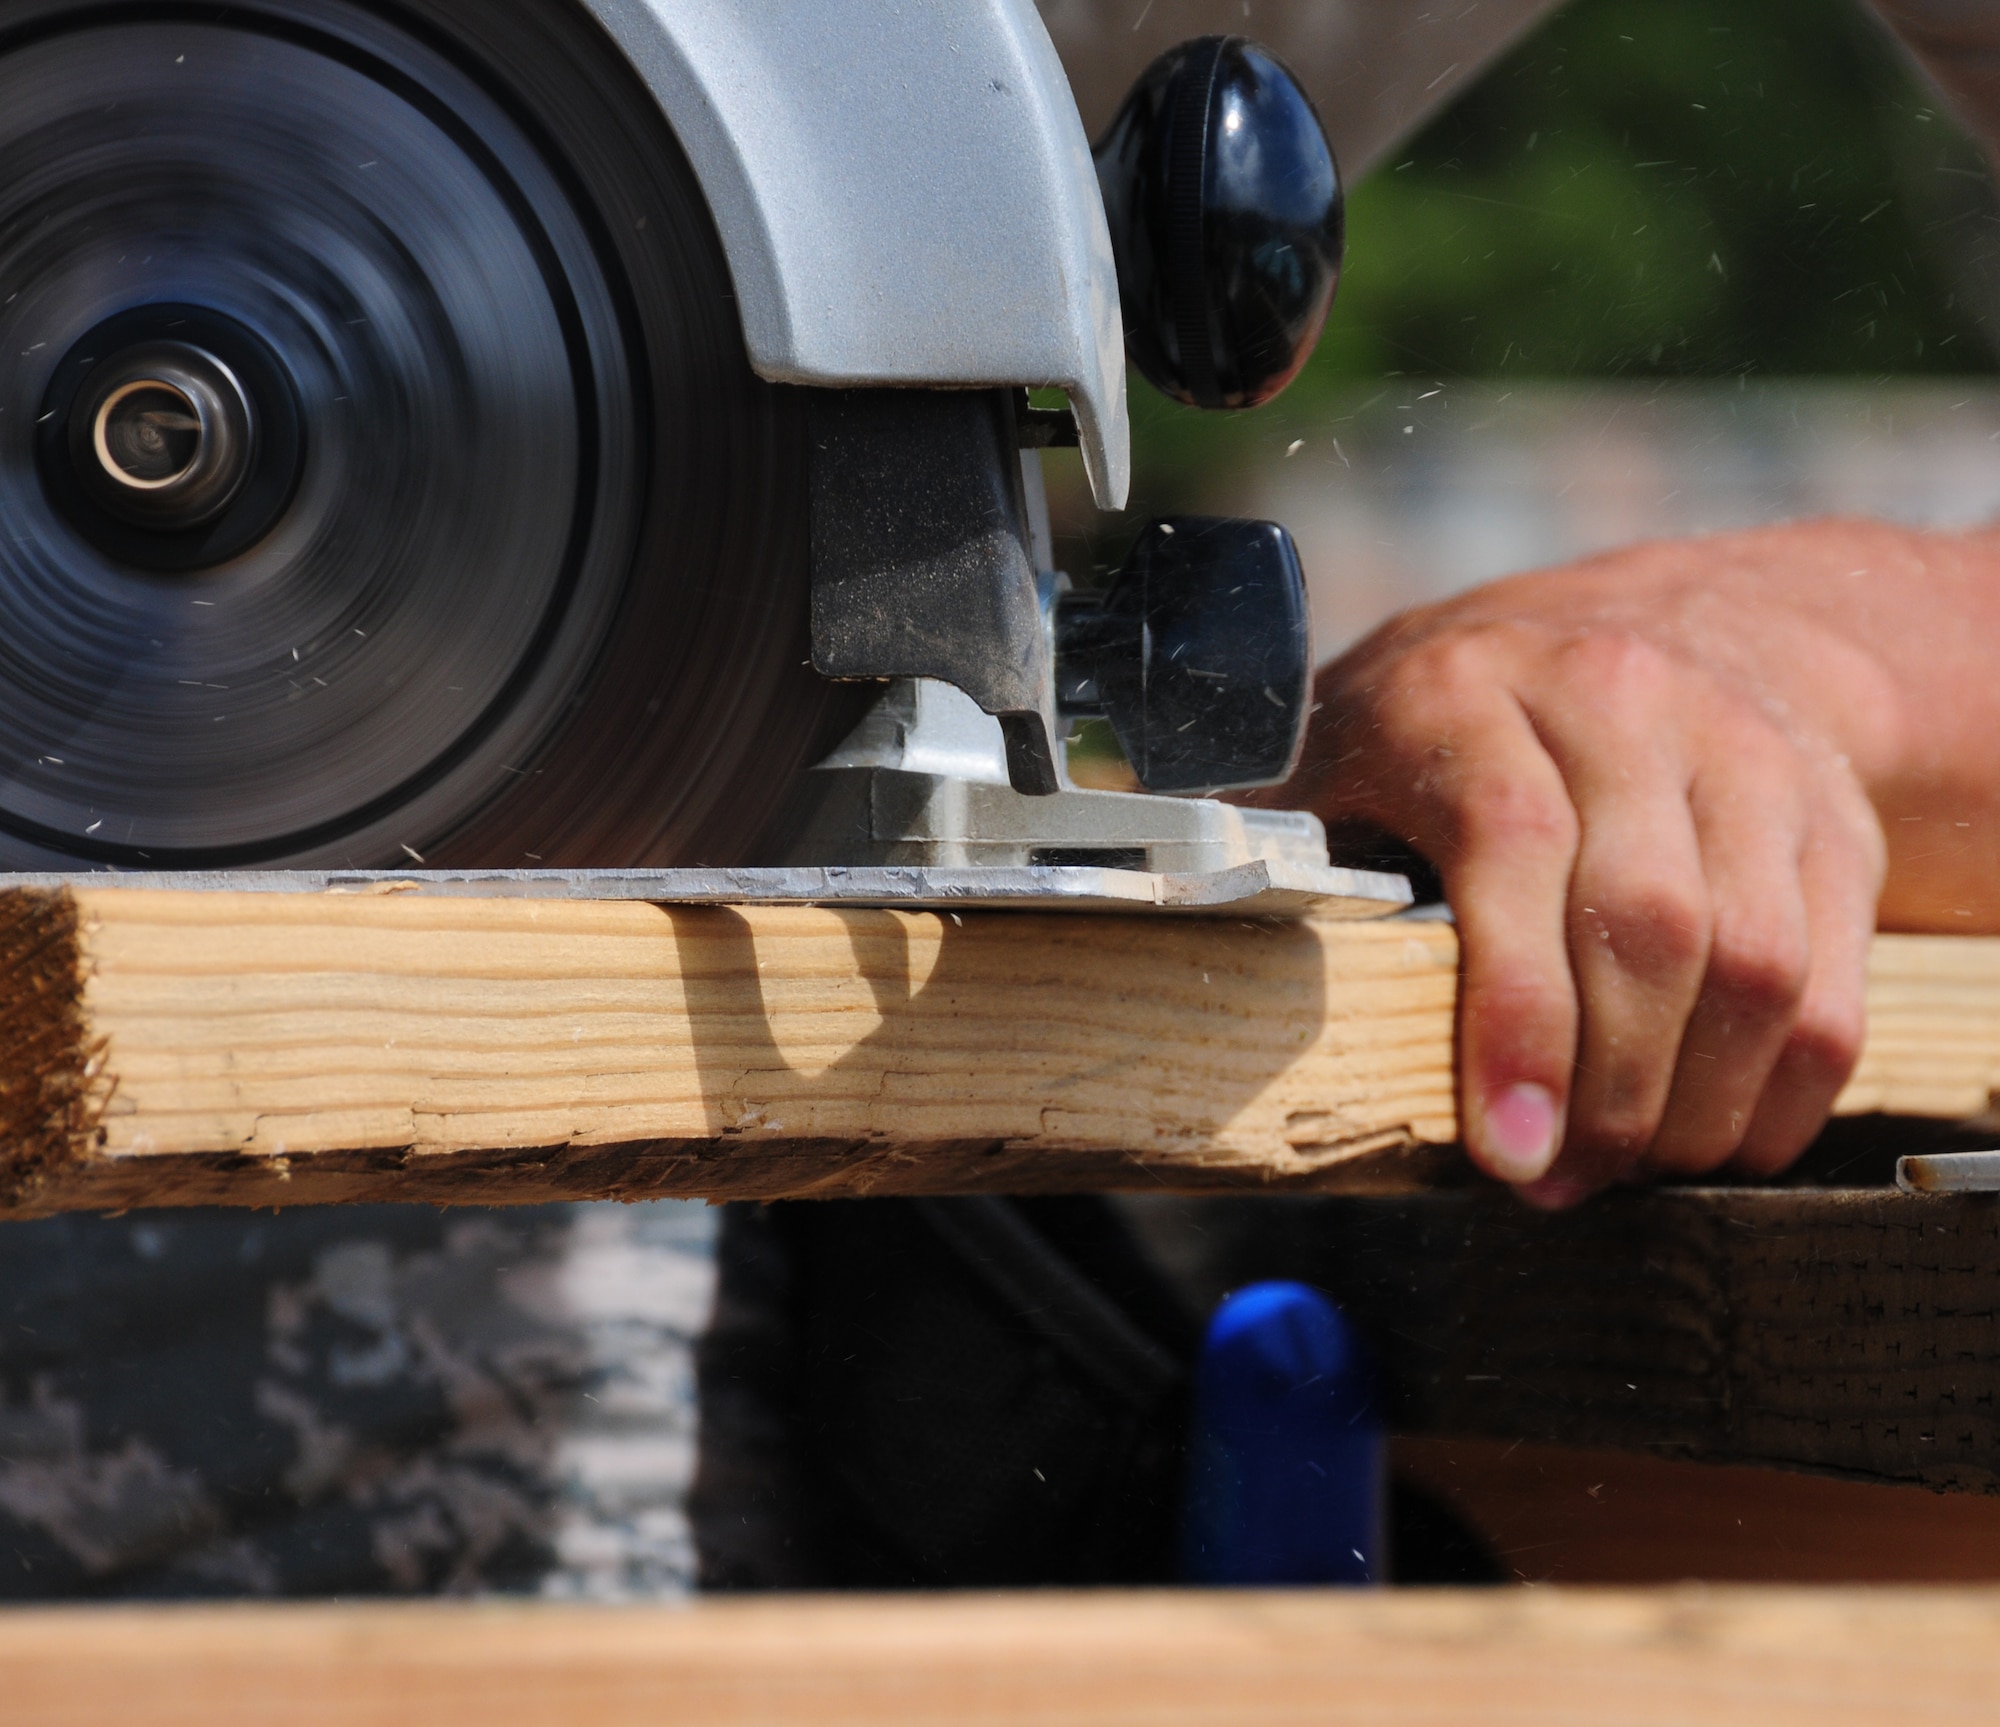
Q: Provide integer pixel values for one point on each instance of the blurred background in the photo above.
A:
(1664, 268)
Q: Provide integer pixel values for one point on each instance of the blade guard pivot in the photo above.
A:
(922, 565)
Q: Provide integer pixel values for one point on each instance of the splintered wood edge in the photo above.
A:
(651, 1170)
(50, 1063)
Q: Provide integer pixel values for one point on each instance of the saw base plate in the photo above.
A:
(1260, 888)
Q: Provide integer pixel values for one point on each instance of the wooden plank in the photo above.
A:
(165, 1048)
(176, 1048)
(1615, 1659)
(1855, 1333)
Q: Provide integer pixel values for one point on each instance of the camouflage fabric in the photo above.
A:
(379, 1400)
(583, 1402)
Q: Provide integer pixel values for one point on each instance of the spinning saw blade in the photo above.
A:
(381, 470)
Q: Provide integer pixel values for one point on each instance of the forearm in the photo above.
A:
(1924, 735)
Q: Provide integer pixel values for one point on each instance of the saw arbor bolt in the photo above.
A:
(172, 437)
(164, 436)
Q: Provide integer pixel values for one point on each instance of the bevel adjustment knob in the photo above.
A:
(1199, 654)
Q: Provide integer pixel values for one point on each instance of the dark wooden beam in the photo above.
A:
(1851, 1332)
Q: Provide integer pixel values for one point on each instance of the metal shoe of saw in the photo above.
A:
(531, 434)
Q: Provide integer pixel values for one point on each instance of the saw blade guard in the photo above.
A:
(906, 195)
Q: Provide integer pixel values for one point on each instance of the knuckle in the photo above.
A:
(1504, 811)
(1439, 678)
(1613, 1139)
(1621, 671)
(1826, 1041)
(1459, 664)
(1632, 1097)
(1703, 1131)
(1622, 1108)
(1758, 969)
(1763, 771)
(1425, 701)
(1521, 1007)
(1656, 927)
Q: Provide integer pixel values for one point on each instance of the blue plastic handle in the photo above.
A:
(1286, 1462)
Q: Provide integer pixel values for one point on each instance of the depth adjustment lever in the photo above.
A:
(1199, 654)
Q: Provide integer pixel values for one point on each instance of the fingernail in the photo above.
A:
(1520, 1137)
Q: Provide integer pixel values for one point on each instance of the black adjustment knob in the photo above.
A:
(1200, 655)
(1227, 221)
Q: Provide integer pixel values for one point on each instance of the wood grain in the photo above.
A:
(1615, 1659)
(163, 1048)
(1933, 1028)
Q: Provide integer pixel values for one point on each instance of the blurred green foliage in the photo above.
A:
(1668, 186)
(1659, 188)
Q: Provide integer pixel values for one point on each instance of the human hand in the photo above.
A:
(1638, 780)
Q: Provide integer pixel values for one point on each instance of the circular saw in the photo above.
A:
(531, 433)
